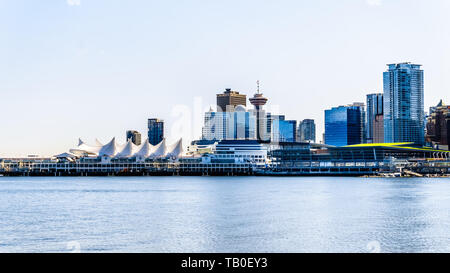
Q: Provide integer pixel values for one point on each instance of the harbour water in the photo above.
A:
(224, 214)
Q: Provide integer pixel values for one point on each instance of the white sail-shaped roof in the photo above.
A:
(109, 149)
(145, 150)
(159, 150)
(176, 150)
(128, 150)
(85, 149)
(98, 143)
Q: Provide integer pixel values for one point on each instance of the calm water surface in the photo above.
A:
(221, 214)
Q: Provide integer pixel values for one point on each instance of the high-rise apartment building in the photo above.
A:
(306, 131)
(374, 120)
(362, 125)
(135, 137)
(343, 126)
(229, 100)
(155, 131)
(403, 103)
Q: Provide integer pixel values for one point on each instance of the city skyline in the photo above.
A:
(56, 78)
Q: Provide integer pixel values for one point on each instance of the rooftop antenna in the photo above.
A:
(257, 85)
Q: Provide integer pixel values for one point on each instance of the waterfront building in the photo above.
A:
(306, 131)
(134, 136)
(284, 130)
(200, 147)
(228, 101)
(374, 122)
(438, 127)
(238, 157)
(258, 101)
(155, 131)
(113, 150)
(361, 159)
(238, 151)
(403, 103)
(343, 125)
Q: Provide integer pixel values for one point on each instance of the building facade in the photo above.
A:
(134, 136)
(239, 124)
(374, 119)
(438, 127)
(239, 151)
(362, 120)
(306, 131)
(284, 130)
(343, 126)
(155, 131)
(228, 101)
(403, 103)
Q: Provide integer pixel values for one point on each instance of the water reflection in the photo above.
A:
(222, 214)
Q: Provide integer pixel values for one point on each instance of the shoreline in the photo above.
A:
(384, 175)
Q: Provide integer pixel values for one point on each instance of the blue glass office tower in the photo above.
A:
(343, 125)
(284, 130)
(403, 103)
(155, 131)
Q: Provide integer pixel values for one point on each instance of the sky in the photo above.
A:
(96, 68)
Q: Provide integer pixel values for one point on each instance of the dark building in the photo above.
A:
(362, 120)
(227, 101)
(135, 137)
(438, 126)
(306, 131)
(375, 123)
(155, 131)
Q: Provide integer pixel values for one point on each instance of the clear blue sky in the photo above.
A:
(95, 68)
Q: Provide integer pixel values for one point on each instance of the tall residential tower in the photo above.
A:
(404, 103)
(374, 123)
(307, 131)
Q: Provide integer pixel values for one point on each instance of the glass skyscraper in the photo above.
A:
(403, 103)
(284, 130)
(155, 131)
(343, 125)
